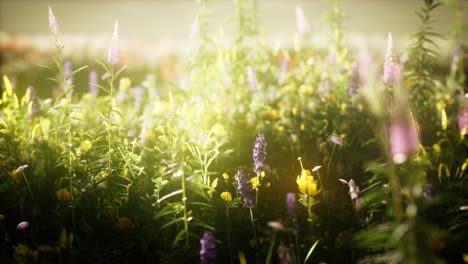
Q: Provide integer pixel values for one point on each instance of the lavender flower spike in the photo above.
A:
(245, 188)
(259, 153)
(113, 55)
(251, 78)
(52, 21)
(208, 248)
(392, 70)
(292, 210)
(354, 80)
(463, 119)
(301, 21)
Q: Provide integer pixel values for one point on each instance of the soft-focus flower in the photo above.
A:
(283, 255)
(226, 196)
(125, 223)
(354, 80)
(195, 31)
(354, 192)
(404, 140)
(208, 248)
(85, 146)
(255, 182)
(302, 24)
(276, 225)
(2, 217)
(337, 140)
(67, 71)
(138, 94)
(17, 173)
(291, 204)
(306, 183)
(23, 225)
(283, 70)
(93, 80)
(463, 120)
(245, 188)
(63, 195)
(251, 78)
(324, 88)
(455, 58)
(392, 70)
(259, 153)
(113, 55)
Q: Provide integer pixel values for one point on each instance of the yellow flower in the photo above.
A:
(85, 146)
(226, 176)
(63, 195)
(255, 182)
(306, 183)
(226, 196)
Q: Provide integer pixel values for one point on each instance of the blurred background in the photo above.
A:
(154, 34)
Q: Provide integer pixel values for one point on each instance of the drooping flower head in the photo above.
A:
(22, 225)
(259, 153)
(302, 24)
(306, 183)
(354, 81)
(113, 55)
(251, 78)
(336, 140)
(208, 248)
(245, 188)
(404, 137)
(392, 69)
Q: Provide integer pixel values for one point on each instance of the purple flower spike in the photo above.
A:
(302, 24)
(354, 81)
(67, 71)
(93, 80)
(23, 225)
(392, 69)
(291, 203)
(52, 21)
(463, 119)
(245, 188)
(113, 55)
(259, 153)
(208, 248)
(455, 58)
(251, 78)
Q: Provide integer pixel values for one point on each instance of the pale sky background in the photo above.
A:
(171, 19)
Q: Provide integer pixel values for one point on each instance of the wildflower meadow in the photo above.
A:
(259, 153)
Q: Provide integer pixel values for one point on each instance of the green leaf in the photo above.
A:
(310, 251)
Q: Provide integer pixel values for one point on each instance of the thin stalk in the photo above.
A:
(331, 157)
(229, 234)
(298, 254)
(253, 228)
(270, 249)
(4, 231)
(184, 205)
(27, 184)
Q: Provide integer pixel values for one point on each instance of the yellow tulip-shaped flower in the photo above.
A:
(306, 183)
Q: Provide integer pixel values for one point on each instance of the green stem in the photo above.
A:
(298, 254)
(253, 228)
(270, 249)
(229, 234)
(184, 205)
(27, 184)
(4, 231)
(331, 157)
